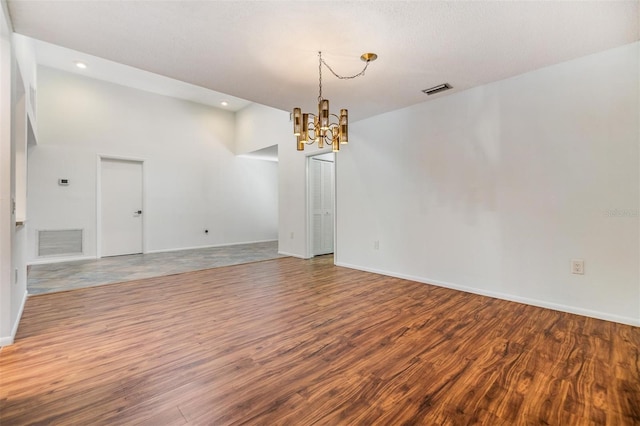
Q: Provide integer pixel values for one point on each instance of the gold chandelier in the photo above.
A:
(309, 128)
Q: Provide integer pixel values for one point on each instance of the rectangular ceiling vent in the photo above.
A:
(437, 89)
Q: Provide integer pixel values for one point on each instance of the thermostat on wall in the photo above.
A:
(63, 182)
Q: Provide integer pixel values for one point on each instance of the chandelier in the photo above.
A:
(309, 128)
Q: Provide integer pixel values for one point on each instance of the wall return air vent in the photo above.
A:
(62, 242)
(437, 89)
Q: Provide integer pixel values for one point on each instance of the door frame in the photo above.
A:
(309, 207)
(99, 159)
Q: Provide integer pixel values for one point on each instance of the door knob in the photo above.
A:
(138, 212)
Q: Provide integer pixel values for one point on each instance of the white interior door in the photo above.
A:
(322, 209)
(121, 207)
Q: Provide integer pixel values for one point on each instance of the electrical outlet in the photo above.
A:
(577, 266)
(291, 236)
(376, 245)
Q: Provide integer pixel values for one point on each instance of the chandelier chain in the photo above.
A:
(320, 74)
(347, 77)
(341, 77)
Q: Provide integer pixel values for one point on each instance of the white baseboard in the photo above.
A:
(71, 259)
(59, 260)
(208, 246)
(504, 296)
(8, 340)
(284, 253)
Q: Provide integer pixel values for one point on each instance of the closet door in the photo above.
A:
(322, 199)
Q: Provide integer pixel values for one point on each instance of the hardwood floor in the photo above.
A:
(299, 342)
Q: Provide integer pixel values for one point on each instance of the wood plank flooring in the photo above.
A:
(295, 342)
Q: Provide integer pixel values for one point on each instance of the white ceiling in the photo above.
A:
(54, 56)
(266, 51)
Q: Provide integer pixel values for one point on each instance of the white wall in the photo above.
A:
(19, 194)
(495, 189)
(26, 58)
(12, 139)
(259, 126)
(293, 224)
(6, 216)
(193, 179)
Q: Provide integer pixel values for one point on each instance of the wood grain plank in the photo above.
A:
(300, 342)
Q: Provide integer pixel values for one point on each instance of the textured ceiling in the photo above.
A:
(266, 51)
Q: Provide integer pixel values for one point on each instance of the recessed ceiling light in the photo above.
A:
(224, 103)
(81, 65)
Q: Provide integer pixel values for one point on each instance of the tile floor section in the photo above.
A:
(87, 273)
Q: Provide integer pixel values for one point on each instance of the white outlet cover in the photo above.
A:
(577, 266)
